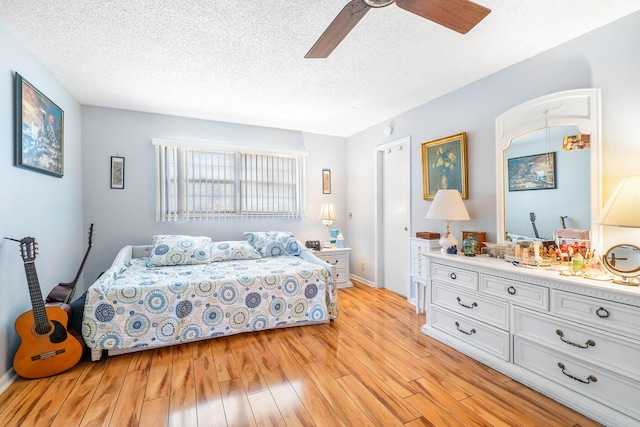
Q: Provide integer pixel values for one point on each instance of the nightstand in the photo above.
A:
(338, 257)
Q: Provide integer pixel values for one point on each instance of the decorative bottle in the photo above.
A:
(470, 246)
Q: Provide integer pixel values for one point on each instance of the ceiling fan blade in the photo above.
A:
(338, 29)
(457, 15)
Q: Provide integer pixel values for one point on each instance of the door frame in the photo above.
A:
(378, 182)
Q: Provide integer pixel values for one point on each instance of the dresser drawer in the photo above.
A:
(454, 276)
(472, 304)
(341, 276)
(579, 341)
(480, 335)
(610, 316)
(591, 380)
(420, 266)
(520, 293)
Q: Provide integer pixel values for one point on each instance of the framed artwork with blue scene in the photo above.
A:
(39, 130)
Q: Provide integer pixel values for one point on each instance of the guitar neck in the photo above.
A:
(37, 303)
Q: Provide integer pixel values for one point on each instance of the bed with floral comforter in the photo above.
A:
(137, 305)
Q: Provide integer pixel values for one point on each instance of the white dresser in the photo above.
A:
(575, 340)
(420, 272)
(339, 258)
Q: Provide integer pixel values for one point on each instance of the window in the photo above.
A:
(211, 181)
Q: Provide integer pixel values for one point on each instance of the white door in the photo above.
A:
(394, 203)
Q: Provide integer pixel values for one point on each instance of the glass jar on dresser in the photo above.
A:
(573, 339)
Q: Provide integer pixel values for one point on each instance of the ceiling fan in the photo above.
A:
(457, 15)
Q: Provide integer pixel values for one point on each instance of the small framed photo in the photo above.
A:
(326, 181)
(39, 130)
(444, 166)
(117, 172)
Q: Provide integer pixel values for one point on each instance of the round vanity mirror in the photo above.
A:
(623, 261)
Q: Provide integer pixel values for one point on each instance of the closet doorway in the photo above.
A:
(393, 215)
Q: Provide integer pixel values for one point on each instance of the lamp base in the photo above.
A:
(448, 241)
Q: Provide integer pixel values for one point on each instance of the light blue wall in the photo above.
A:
(41, 206)
(607, 58)
(124, 217)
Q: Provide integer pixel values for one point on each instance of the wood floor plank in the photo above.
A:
(155, 413)
(432, 412)
(225, 361)
(77, 402)
(291, 407)
(106, 395)
(248, 369)
(314, 401)
(208, 397)
(367, 401)
(347, 409)
(47, 408)
(237, 408)
(265, 410)
(24, 401)
(182, 405)
(129, 405)
(159, 382)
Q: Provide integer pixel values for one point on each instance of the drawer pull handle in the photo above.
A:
(511, 290)
(474, 304)
(591, 343)
(332, 263)
(590, 378)
(453, 276)
(471, 332)
(602, 313)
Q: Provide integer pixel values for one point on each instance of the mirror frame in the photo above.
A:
(580, 107)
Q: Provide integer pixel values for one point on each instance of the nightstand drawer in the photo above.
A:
(608, 315)
(480, 335)
(474, 305)
(454, 276)
(338, 260)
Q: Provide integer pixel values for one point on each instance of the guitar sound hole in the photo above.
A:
(56, 332)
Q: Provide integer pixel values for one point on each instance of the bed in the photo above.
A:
(196, 293)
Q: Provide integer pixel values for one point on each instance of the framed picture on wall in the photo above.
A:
(326, 181)
(39, 130)
(444, 165)
(536, 172)
(117, 172)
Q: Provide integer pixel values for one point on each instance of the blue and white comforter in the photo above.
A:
(135, 306)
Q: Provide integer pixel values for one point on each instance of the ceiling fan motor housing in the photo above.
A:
(378, 3)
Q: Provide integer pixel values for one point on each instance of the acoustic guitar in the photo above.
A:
(46, 347)
(63, 292)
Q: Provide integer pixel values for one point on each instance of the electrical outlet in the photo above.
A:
(362, 266)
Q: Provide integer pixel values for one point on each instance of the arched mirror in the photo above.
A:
(548, 166)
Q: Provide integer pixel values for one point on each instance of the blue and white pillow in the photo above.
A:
(233, 250)
(274, 243)
(171, 250)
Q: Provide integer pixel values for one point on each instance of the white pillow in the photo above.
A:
(179, 250)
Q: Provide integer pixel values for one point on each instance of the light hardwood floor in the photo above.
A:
(371, 366)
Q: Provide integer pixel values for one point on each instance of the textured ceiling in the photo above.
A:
(243, 61)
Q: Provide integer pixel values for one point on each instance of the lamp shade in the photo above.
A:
(448, 205)
(328, 213)
(623, 207)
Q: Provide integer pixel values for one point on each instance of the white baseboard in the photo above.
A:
(362, 280)
(7, 379)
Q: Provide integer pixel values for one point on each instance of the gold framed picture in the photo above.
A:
(444, 166)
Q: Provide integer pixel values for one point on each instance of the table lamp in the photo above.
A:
(448, 206)
(328, 214)
(622, 210)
